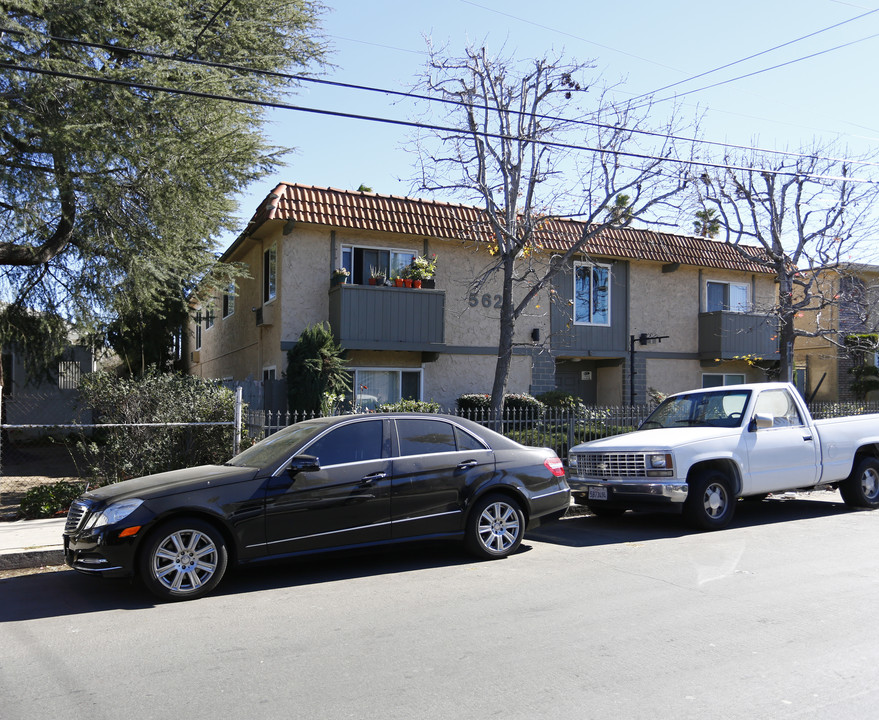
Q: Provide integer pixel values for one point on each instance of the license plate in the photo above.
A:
(598, 493)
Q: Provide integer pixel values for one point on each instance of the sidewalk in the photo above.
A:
(31, 543)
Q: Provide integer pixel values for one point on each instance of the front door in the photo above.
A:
(579, 379)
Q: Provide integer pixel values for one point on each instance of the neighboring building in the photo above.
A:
(581, 335)
(824, 363)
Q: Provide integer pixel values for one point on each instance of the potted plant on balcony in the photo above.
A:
(376, 275)
(422, 270)
(339, 277)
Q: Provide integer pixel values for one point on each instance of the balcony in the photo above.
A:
(727, 335)
(363, 317)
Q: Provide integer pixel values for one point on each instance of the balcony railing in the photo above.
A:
(364, 317)
(728, 335)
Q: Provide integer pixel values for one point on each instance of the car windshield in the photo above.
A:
(716, 408)
(277, 447)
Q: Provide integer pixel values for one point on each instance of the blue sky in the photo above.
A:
(645, 45)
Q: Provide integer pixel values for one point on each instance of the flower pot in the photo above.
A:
(416, 283)
(372, 281)
(428, 283)
(398, 282)
(407, 282)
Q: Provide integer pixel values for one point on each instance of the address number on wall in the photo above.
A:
(486, 300)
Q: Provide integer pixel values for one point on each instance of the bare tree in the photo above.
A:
(811, 214)
(516, 140)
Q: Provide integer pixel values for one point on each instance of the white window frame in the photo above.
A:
(270, 273)
(730, 284)
(270, 372)
(399, 370)
(348, 257)
(726, 377)
(229, 300)
(591, 322)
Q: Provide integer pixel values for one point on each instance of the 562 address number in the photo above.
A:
(486, 300)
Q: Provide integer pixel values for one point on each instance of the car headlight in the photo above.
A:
(660, 465)
(115, 512)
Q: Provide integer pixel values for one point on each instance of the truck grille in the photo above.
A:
(76, 517)
(623, 465)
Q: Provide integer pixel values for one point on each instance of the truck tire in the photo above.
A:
(861, 488)
(710, 503)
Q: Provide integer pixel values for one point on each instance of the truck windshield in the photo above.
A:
(715, 408)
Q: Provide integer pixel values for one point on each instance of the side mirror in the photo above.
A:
(303, 463)
(761, 421)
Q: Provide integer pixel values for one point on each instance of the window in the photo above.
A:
(423, 437)
(198, 330)
(68, 374)
(354, 442)
(717, 379)
(726, 296)
(209, 319)
(591, 294)
(360, 261)
(270, 273)
(376, 387)
(268, 373)
(229, 300)
(780, 405)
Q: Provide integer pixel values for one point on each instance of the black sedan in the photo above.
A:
(324, 484)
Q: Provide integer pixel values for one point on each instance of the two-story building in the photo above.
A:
(824, 361)
(637, 310)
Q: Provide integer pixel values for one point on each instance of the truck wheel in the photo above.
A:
(861, 488)
(710, 504)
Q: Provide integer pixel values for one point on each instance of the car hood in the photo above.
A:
(656, 439)
(174, 481)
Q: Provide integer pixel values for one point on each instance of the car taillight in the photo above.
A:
(555, 466)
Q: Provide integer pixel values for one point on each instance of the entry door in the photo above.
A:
(578, 379)
(346, 502)
(785, 455)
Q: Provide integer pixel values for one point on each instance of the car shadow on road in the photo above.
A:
(586, 530)
(68, 593)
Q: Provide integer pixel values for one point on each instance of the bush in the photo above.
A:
(474, 401)
(120, 453)
(46, 501)
(560, 399)
(512, 401)
(416, 406)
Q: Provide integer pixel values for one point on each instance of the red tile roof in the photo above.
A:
(447, 221)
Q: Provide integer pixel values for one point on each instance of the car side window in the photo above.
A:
(423, 437)
(354, 442)
(466, 441)
(781, 406)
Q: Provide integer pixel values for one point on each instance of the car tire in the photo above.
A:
(861, 488)
(495, 527)
(710, 503)
(183, 559)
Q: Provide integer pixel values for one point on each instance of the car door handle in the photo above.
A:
(467, 464)
(807, 438)
(369, 479)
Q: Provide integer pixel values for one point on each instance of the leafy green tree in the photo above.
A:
(706, 224)
(119, 155)
(315, 366)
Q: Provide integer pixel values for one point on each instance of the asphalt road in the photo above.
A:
(633, 618)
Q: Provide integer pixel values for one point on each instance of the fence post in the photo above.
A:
(236, 436)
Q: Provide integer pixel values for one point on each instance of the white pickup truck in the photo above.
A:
(701, 450)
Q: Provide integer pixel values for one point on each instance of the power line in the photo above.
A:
(428, 98)
(413, 124)
(751, 57)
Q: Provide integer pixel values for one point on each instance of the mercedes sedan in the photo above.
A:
(325, 484)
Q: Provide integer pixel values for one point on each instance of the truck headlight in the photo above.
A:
(660, 465)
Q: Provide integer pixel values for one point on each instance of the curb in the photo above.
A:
(31, 559)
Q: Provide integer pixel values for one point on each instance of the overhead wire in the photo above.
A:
(428, 98)
(409, 123)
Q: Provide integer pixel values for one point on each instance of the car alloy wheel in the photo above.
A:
(496, 526)
(184, 559)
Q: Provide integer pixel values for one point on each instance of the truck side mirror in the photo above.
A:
(761, 421)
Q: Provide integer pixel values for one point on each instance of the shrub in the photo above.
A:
(315, 367)
(119, 453)
(416, 406)
(560, 399)
(512, 401)
(45, 501)
(474, 401)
